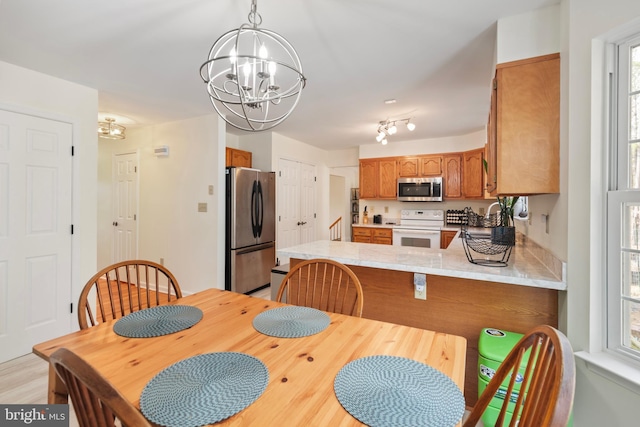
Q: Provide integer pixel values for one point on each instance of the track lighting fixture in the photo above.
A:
(388, 127)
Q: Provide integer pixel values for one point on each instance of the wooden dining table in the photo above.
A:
(301, 370)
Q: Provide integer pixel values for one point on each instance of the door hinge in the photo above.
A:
(135, 169)
(71, 228)
(73, 151)
(280, 173)
(279, 218)
(315, 179)
(135, 217)
(314, 216)
(71, 308)
(495, 84)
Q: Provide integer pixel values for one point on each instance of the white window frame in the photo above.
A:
(619, 196)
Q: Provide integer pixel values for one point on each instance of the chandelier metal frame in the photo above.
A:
(254, 76)
(110, 130)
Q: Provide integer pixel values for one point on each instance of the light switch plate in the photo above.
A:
(202, 207)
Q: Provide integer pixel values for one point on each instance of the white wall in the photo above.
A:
(599, 401)
(169, 224)
(30, 92)
(524, 36)
(450, 144)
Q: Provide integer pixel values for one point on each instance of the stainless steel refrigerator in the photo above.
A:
(250, 229)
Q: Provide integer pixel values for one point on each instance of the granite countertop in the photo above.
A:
(523, 269)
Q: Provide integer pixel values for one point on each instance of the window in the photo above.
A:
(623, 206)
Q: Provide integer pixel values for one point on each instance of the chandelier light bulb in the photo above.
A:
(263, 52)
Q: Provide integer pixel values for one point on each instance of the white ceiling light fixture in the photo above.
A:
(254, 76)
(110, 130)
(388, 127)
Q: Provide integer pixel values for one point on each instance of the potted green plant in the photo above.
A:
(505, 232)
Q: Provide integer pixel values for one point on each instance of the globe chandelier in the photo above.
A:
(388, 127)
(253, 76)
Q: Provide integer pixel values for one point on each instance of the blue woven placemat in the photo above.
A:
(157, 321)
(203, 389)
(291, 322)
(395, 391)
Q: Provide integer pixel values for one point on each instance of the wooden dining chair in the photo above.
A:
(123, 288)
(95, 401)
(323, 284)
(549, 381)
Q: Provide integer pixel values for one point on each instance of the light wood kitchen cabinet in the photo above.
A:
(368, 179)
(409, 167)
(378, 178)
(387, 179)
(238, 158)
(452, 175)
(380, 236)
(524, 128)
(446, 237)
(473, 174)
(462, 172)
(431, 165)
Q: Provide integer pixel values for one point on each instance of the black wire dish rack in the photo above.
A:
(488, 250)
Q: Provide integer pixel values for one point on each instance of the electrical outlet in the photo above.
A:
(202, 207)
(211, 190)
(161, 261)
(386, 209)
(420, 286)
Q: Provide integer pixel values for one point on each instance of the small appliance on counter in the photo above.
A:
(377, 219)
(365, 216)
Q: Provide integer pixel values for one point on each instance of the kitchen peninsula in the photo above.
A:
(461, 297)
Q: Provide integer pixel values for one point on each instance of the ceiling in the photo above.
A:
(434, 57)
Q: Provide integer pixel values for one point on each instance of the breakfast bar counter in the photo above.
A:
(461, 298)
(524, 268)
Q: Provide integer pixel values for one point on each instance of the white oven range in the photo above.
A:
(419, 228)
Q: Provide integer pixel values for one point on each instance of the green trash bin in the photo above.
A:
(493, 347)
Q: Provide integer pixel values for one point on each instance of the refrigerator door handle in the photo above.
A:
(260, 210)
(254, 207)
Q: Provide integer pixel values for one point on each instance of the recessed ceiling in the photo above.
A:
(143, 57)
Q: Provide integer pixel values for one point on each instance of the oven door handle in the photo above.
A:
(415, 231)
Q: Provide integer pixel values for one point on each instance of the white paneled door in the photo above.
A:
(296, 203)
(125, 206)
(35, 231)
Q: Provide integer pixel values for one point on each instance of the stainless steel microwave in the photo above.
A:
(420, 189)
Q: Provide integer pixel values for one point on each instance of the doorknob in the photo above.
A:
(299, 223)
(304, 222)
(115, 223)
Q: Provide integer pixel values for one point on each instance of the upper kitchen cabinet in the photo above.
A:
(238, 158)
(524, 128)
(473, 174)
(452, 175)
(413, 167)
(378, 178)
(409, 167)
(431, 165)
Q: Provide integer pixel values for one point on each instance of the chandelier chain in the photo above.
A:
(254, 17)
